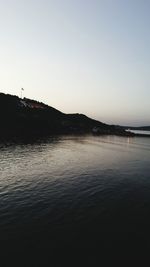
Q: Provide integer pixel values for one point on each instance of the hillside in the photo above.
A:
(26, 117)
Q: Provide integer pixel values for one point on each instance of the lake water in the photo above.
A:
(75, 191)
(140, 132)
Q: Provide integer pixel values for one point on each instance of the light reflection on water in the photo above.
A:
(60, 186)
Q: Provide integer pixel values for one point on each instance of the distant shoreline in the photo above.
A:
(140, 133)
(48, 138)
(27, 119)
(39, 138)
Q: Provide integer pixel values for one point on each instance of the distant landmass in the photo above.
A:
(139, 128)
(29, 118)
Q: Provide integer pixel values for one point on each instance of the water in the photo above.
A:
(75, 191)
(140, 132)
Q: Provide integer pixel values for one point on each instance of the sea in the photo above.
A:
(140, 132)
(75, 192)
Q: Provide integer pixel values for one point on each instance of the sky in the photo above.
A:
(79, 56)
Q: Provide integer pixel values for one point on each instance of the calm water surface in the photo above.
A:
(76, 191)
(140, 132)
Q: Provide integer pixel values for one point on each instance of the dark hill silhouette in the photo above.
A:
(30, 118)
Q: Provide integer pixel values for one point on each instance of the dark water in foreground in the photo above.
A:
(75, 192)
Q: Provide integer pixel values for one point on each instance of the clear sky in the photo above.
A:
(85, 56)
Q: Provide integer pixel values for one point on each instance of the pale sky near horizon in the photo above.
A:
(85, 56)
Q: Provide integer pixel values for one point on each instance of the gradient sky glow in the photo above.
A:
(85, 56)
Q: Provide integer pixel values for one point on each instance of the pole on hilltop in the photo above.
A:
(21, 92)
